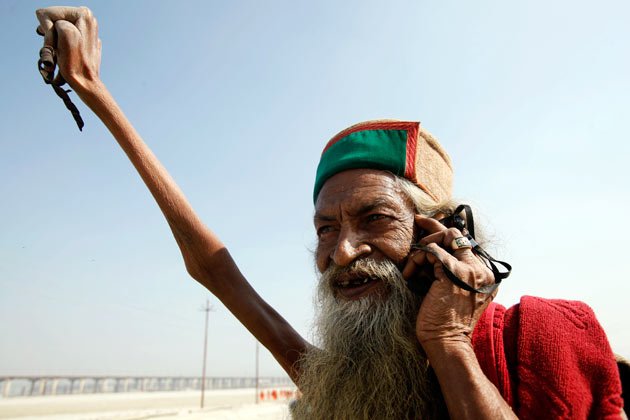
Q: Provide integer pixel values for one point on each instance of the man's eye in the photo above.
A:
(324, 230)
(375, 217)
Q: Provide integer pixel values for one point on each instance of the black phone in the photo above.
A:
(421, 281)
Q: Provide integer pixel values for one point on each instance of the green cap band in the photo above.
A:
(375, 149)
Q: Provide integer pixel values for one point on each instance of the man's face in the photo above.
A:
(368, 362)
(361, 213)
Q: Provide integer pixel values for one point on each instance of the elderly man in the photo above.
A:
(384, 351)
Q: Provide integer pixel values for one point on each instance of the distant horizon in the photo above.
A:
(34, 386)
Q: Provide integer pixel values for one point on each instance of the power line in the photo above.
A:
(207, 310)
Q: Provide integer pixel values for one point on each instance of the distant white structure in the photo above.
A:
(13, 386)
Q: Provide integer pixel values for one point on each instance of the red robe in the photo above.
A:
(549, 359)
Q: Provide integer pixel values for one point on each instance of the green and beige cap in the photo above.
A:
(401, 147)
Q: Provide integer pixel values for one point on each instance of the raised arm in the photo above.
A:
(73, 34)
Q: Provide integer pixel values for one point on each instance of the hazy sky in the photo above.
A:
(237, 99)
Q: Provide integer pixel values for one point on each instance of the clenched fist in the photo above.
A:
(71, 34)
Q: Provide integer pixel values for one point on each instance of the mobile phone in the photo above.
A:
(423, 278)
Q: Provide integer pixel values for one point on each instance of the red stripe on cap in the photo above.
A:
(410, 158)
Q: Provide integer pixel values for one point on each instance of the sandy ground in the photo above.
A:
(183, 405)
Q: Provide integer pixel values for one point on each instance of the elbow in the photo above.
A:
(196, 270)
(213, 270)
(193, 270)
(203, 276)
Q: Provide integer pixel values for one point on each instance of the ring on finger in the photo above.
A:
(461, 243)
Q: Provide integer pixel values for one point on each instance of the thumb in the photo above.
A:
(68, 41)
(68, 36)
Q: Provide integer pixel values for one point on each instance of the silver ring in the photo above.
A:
(461, 243)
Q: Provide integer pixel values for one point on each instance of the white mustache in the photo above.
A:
(384, 270)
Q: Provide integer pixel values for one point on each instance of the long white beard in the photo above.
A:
(370, 365)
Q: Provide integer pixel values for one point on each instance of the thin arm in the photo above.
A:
(206, 257)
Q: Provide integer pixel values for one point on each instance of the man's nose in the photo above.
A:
(349, 247)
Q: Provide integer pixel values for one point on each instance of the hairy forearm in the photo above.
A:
(197, 243)
(174, 205)
(467, 392)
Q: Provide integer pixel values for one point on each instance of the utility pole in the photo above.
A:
(207, 310)
(257, 381)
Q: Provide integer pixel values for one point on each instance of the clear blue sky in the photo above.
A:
(237, 99)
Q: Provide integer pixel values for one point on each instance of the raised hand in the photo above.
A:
(71, 36)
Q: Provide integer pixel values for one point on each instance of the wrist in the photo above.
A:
(467, 391)
(452, 358)
(88, 89)
(95, 95)
(450, 335)
(447, 346)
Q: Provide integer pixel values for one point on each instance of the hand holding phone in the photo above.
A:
(423, 276)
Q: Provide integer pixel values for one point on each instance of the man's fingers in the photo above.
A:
(436, 237)
(49, 38)
(55, 13)
(431, 254)
(68, 36)
(415, 260)
(62, 36)
(429, 224)
(445, 239)
(67, 33)
(46, 63)
(49, 15)
(437, 253)
(438, 256)
(45, 23)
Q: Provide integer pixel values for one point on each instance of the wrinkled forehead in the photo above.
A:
(355, 189)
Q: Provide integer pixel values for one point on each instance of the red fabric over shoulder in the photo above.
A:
(549, 359)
